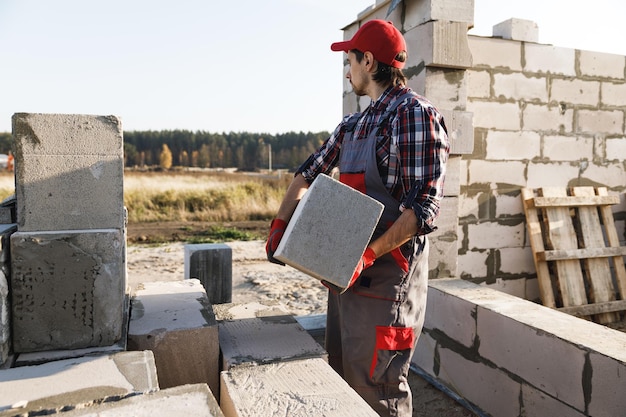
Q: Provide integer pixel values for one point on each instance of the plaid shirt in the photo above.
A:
(411, 152)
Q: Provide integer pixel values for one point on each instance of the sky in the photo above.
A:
(262, 66)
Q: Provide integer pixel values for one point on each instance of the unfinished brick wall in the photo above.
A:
(519, 114)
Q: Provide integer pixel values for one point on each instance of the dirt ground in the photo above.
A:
(254, 278)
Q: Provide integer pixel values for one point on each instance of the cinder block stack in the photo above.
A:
(68, 278)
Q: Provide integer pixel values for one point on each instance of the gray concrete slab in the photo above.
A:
(187, 400)
(69, 171)
(307, 387)
(75, 381)
(263, 336)
(329, 231)
(68, 289)
(176, 322)
(212, 264)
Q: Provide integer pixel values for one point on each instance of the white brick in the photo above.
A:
(455, 317)
(478, 84)
(615, 149)
(549, 59)
(567, 148)
(518, 86)
(517, 261)
(600, 64)
(511, 172)
(538, 403)
(508, 205)
(473, 264)
(495, 53)
(575, 91)
(548, 118)
(517, 29)
(612, 176)
(613, 94)
(551, 174)
(529, 349)
(601, 121)
(513, 146)
(494, 235)
(494, 115)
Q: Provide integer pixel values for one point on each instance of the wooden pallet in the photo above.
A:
(580, 265)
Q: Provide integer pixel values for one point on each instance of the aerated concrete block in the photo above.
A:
(188, 400)
(176, 321)
(212, 264)
(329, 231)
(68, 289)
(304, 388)
(257, 335)
(69, 172)
(54, 385)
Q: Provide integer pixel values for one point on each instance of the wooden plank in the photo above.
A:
(536, 243)
(598, 270)
(613, 240)
(553, 255)
(561, 235)
(598, 308)
(576, 201)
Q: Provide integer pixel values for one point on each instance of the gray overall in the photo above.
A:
(372, 328)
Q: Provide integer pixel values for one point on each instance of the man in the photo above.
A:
(394, 151)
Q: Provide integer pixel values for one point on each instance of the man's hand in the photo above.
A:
(277, 229)
(367, 260)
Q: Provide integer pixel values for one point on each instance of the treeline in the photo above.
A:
(184, 148)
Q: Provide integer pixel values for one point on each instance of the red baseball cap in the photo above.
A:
(379, 37)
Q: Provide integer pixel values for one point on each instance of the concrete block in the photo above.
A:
(329, 216)
(57, 384)
(509, 172)
(575, 91)
(265, 338)
(67, 289)
(512, 146)
(548, 118)
(566, 148)
(558, 174)
(478, 84)
(212, 264)
(304, 388)
(439, 44)
(608, 379)
(600, 121)
(601, 64)
(494, 235)
(454, 318)
(445, 87)
(69, 172)
(549, 59)
(443, 253)
(5, 319)
(517, 30)
(534, 355)
(494, 115)
(238, 311)
(613, 93)
(418, 12)
(176, 321)
(495, 53)
(186, 400)
(520, 87)
(460, 126)
(538, 403)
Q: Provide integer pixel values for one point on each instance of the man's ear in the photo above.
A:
(368, 58)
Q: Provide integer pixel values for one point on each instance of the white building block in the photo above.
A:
(329, 231)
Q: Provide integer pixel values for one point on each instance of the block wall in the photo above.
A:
(519, 114)
(542, 116)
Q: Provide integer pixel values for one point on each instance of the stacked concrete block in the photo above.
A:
(69, 274)
(529, 359)
(186, 400)
(53, 386)
(256, 333)
(67, 289)
(329, 231)
(307, 387)
(212, 264)
(176, 321)
(5, 297)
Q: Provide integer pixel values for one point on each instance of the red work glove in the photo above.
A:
(366, 261)
(277, 229)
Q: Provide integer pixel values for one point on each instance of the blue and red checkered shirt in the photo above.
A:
(411, 152)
